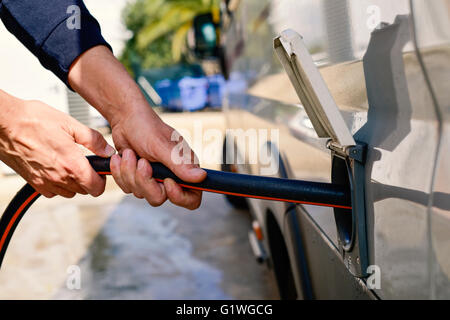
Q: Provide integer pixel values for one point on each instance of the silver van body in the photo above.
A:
(387, 66)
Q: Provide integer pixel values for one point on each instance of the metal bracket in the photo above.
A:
(348, 167)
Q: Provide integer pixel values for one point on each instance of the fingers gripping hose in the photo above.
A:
(295, 191)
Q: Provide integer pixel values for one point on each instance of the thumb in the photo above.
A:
(92, 140)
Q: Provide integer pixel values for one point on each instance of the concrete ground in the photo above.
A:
(125, 249)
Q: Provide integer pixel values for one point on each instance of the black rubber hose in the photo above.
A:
(12, 215)
(295, 191)
(298, 191)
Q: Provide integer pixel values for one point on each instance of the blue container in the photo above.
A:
(163, 88)
(237, 83)
(170, 94)
(175, 102)
(216, 87)
(193, 93)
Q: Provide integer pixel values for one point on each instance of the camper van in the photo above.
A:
(356, 93)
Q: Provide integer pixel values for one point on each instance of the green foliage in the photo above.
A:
(159, 30)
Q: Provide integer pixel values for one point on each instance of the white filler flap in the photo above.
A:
(312, 89)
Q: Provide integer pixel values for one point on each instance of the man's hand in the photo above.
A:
(152, 143)
(137, 130)
(40, 144)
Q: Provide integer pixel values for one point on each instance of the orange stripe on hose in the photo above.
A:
(253, 196)
(15, 216)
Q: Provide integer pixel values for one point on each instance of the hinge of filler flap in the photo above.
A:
(336, 147)
(356, 152)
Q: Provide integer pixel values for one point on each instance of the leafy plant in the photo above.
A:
(160, 28)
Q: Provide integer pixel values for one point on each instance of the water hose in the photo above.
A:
(235, 184)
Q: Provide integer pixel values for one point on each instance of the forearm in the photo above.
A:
(102, 80)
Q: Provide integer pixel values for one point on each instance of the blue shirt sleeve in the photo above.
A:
(55, 31)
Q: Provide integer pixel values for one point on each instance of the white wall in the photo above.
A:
(21, 74)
